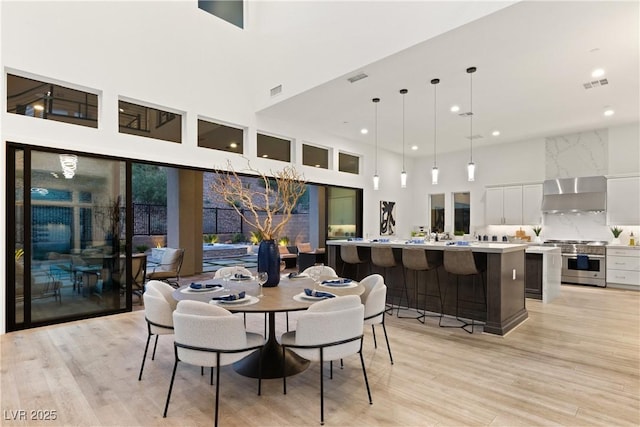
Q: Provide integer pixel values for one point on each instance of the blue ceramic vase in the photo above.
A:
(269, 261)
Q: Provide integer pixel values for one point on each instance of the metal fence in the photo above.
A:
(152, 220)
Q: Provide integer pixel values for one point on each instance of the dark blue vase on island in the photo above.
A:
(269, 261)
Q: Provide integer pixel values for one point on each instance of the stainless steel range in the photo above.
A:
(583, 261)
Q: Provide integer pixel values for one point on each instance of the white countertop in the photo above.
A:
(623, 247)
(543, 249)
(488, 247)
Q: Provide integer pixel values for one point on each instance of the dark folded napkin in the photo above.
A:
(205, 286)
(231, 297)
(582, 262)
(318, 294)
(336, 281)
(242, 276)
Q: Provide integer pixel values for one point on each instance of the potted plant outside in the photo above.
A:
(267, 209)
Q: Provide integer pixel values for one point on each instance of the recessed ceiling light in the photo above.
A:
(364, 131)
(455, 108)
(609, 112)
(414, 147)
(38, 107)
(233, 145)
(317, 166)
(495, 133)
(121, 110)
(598, 72)
(265, 155)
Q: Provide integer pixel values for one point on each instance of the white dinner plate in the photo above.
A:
(235, 301)
(312, 298)
(348, 284)
(240, 279)
(203, 289)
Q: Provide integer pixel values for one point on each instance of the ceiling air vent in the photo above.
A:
(357, 77)
(276, 90)
(476, 136)
(467, 114)
(595, 83)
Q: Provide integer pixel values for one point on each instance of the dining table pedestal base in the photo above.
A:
(272, 358)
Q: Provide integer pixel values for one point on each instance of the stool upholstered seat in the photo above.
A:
(415, 259)
(461, 262)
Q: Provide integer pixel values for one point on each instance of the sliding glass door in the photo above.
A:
(69, 234)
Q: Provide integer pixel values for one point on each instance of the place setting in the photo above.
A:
(197, 288)
(339, 283)
(234, 299)
(312, 295)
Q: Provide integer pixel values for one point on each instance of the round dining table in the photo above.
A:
(287, 296)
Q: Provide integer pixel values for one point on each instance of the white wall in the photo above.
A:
(624, 149)
(303, 44)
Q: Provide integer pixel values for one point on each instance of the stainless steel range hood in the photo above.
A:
(566, 195)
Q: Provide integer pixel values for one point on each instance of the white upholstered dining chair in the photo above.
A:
(374, 299)
(219, 274)
(328, 330)
(208, 335)
(158, 312)
(325, 273)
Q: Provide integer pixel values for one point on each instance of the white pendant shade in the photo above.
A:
(434, 175)
(403, 180)
(376, 182)
(471, 171)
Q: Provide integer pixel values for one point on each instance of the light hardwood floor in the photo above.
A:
(574, 362)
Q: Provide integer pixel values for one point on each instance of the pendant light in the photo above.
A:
(403, 175)
(434, 170)
(376, 178)
(471, 167)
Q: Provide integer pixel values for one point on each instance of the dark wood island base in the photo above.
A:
(501, 309)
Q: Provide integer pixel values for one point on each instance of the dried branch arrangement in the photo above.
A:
(262, 207)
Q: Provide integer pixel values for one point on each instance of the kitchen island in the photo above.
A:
(543, 272)
(503, 306)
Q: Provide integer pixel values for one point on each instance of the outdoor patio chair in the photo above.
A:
(169, 268)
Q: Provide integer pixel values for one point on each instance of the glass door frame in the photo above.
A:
(11, 148)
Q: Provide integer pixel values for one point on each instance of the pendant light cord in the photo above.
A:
(375, 104)
(471, 116)
(403, 131)
(435, 95)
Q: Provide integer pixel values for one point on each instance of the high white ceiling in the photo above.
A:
(532, 60)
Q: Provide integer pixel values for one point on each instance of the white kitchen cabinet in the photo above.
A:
(513, 205)
(503, 205)
(532, 204)
(493, 206)
(623, 201)
(623, 267)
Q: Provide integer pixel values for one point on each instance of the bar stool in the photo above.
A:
(416, 260)
(349, 255)
(461, 262)
(383, 257)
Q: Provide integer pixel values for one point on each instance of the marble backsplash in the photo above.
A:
(585, 226)
(578, 154)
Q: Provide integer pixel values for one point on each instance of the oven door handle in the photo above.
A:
(575, 256)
